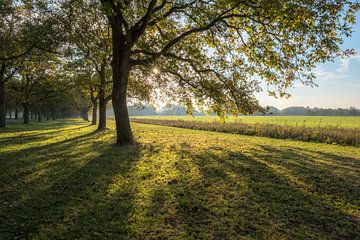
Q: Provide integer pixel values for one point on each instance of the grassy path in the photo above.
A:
(65, 180)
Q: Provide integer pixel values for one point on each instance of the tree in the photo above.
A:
(26, 28)
(13, 46)
(37, 81)
(91, 37)
(216, 52)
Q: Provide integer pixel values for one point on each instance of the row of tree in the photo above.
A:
(70, 56)
(307, 111)
(176, 110)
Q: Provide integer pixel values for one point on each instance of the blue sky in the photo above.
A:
(339, 82)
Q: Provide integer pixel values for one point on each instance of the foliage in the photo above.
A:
(216, 53)
(65, 180)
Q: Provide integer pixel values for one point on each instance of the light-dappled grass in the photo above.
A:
(307, 121)
(66, 180)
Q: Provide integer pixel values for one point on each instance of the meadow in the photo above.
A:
(332, 130)
(307, 121)
(64, 180)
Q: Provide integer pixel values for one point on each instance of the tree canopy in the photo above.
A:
(216, 53)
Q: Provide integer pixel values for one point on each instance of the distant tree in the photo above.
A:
(307, 111)
(36, 81)
(26, 28)
(142, 110)
(85, 80)
(215, 52)
(294, 111)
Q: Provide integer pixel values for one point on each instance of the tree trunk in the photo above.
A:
(26, 113)
(10, 114)
(94, 112)
(53, 115)
(102, 100)
(2, 104)
(102, 114)
(39, 116)
(84, 114)
(47, 117)
(120, 71)
(16, 114)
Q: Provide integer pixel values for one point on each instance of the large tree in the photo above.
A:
(217, 52)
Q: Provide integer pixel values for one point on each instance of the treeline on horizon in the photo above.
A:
(176, 110)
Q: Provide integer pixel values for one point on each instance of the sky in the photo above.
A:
(338, 82)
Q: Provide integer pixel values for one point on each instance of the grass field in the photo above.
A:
(64, 180)
(308, 121)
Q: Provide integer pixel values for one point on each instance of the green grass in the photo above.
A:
(330, 134)
(308, 121)
(66, 180)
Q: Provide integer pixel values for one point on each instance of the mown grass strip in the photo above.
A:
(332, 135)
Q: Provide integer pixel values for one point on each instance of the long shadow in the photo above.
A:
(29, 157)
(82, 187)
(23, 138)
(241, 196)
(70, 200)
(15, 127)
(341, 160)
(338, 176)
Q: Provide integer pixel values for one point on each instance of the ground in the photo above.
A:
(65, 180)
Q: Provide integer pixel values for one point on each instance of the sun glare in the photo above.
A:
(156, 70)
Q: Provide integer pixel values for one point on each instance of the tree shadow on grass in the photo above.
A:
(14, 127)
(237, 196)
(82, 187)
(34, 137)
(63, 191)
(327, 174)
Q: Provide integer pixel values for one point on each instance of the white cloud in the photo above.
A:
(343, 66)
(341, 72)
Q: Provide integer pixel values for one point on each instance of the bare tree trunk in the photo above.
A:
(39, 117)
(16, 113)
(94, 113)
(10, 114)
(2, 104)
(102, 100)
(26, 113)
(102, 114)
(53, 115)
(120, 68)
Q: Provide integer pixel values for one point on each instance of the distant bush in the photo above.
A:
(336, 135)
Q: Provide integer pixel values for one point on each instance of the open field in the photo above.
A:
(308, 133)
(308, 121)
(65, 180)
